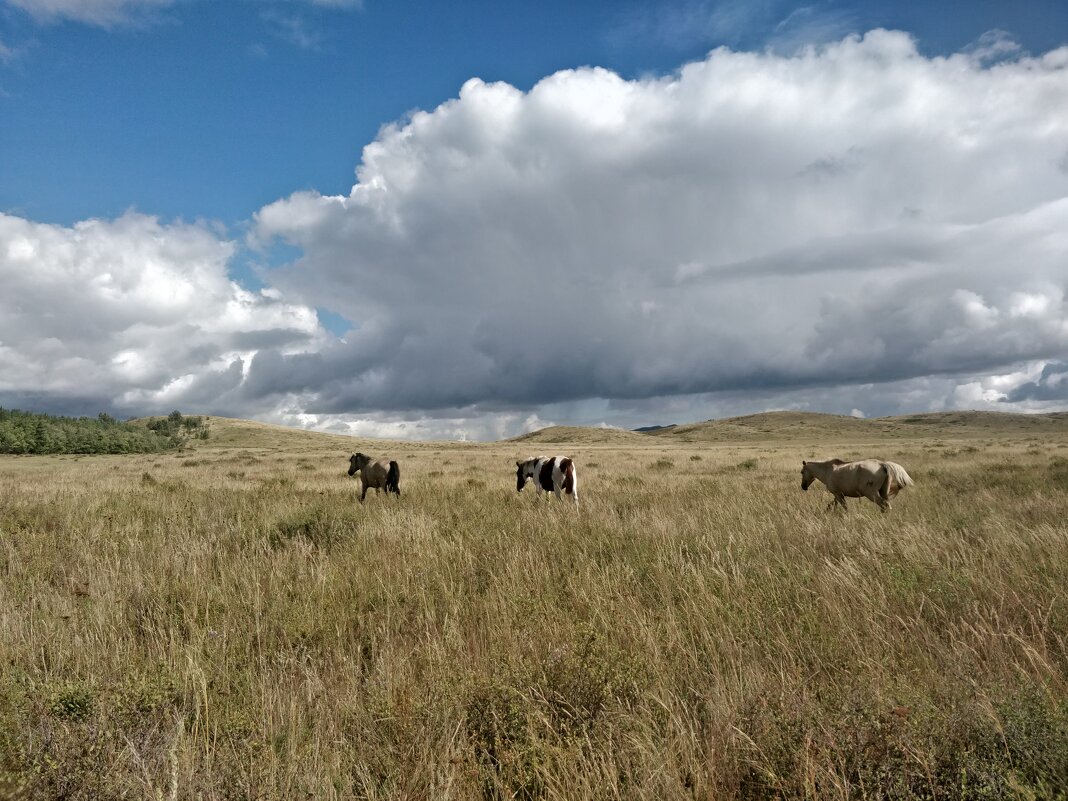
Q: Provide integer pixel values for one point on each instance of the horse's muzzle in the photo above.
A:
(804, 486)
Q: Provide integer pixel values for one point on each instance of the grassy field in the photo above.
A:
(228, 622)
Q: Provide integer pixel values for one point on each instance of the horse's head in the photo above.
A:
(806, 475)
(521, 476)
(354, 463)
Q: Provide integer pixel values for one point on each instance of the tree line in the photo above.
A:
(36, 433)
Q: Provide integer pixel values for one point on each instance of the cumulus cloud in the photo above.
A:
(132, 315)
(425, 427)
(1050, 385)
(854, 214)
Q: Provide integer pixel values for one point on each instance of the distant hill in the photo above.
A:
(767, 426)
(811, 425)
(584, 435)
(230, 432)
(103, 435)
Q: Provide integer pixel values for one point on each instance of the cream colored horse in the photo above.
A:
(869, 478)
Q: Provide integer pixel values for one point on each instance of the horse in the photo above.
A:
(877, 481)
(380, 474)
(550, 474)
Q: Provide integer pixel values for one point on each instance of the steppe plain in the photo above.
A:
(229, 622)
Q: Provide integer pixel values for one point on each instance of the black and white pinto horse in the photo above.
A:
(550, 474)
(377, 473)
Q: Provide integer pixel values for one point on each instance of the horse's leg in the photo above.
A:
(837, 500)
(364, 493)
(874, 495)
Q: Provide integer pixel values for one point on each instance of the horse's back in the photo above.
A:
(377, 470)
(889, 477)
(854, 479)
(869, 466)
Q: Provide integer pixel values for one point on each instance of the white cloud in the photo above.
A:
(493, 426)
(294, 29)
(109, 13)
(810, 25)
(685, 23)
(132, 315)
(104, 13)
(856, 214)
(993, 46)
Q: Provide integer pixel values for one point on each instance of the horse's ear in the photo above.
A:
(803, 462)
(518, 463)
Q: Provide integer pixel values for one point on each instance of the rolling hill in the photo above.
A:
(231, 432)
(777, 426)
(584, 435)
(764, 427)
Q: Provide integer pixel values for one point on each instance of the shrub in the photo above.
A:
(33, 433)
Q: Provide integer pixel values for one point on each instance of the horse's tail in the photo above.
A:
(567, 466)
(393, 478)
(896, 479)
(568, 469)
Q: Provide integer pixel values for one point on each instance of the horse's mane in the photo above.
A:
(837, 462)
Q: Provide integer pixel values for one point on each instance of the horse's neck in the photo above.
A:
(822, 470)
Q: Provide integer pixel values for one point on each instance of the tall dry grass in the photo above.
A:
(231, 623)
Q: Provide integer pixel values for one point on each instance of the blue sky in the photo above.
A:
(471, 219)
(213, 109)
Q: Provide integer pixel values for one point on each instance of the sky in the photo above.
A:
(470, 220)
